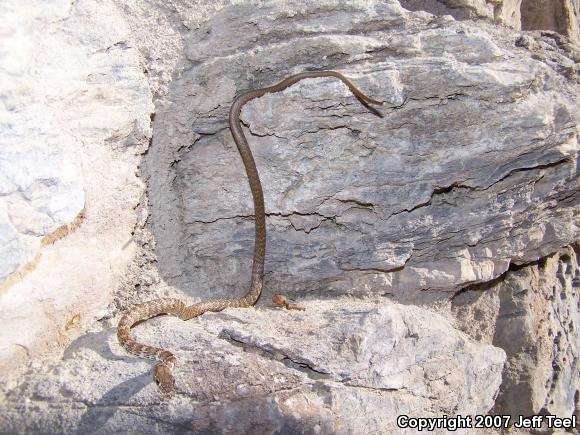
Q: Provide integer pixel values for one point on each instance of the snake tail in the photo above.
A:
(175, 307)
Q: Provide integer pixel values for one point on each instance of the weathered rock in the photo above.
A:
(41, 186)
(338, 367)
(473, 166)
(556, 15)
(505, 12)
(74, 117)
(533, 315)
(470, 175)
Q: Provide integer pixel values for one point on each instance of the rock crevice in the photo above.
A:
(434, 246)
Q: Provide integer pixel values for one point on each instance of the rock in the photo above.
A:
(556, 15)
(508, 13)
(462, 9)
(458, 200)
(338, 367)
(531, 314)
(505, 12)
(472, 168)
(41, 185)
(74, 119)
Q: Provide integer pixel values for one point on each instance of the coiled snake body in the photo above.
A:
(178, 308)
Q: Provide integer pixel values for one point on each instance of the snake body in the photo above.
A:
(176, 307)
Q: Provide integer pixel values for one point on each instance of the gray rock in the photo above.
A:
(464, 9)
(339, 367)
(471, 168)
(469, 176)
(556, 15)
(533, 315)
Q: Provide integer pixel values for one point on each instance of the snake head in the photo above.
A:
(164, 379)
(283, 301)
(280, 300)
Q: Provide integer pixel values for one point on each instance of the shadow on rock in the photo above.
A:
(99, 342)
(99, 413)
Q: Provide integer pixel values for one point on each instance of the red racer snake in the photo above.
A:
(178, 308)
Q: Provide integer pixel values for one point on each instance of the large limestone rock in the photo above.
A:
(338, 367)
(457, 202)
(471, 168)
(505, 12)
(556, 15)
(532, 314)
(74, 117)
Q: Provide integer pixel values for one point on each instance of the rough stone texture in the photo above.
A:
(533, 315)
(473, 166)
(558, 15)
(74, 116)
(506, 12)
(443, 202)
(339, 367)
(41, 186)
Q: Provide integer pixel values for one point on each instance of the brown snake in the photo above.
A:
(176, 307)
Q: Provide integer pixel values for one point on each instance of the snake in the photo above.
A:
(178, 308)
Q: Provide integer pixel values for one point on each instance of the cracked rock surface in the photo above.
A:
(74, 117)
(433, 247)
(533, 315)
(471, 168)
(555, 15)
(338, 367)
